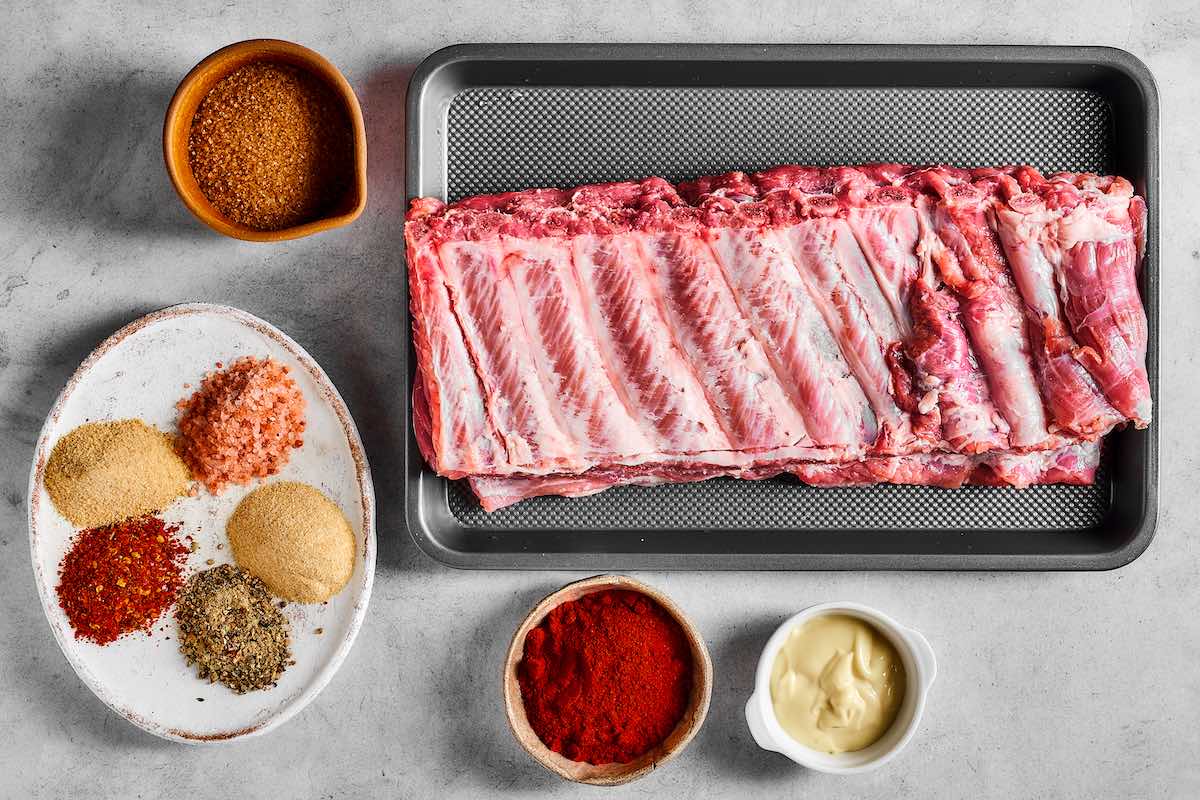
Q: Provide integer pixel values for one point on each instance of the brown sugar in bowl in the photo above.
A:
(196, 86)
(607, 774)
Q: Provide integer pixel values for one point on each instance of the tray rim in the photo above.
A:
(1121, 61)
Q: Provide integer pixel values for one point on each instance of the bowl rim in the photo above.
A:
(920, 667)
(606, 774)
(177, 117)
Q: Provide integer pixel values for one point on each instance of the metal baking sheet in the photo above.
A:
(489, 118)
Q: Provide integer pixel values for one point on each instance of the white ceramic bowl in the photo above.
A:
(920, 669)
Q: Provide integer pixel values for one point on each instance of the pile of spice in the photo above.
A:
(242, 422)
(120, 578)
(231, 631)
(295, 538)
(272, 146)
(606, 678)
(105, 472)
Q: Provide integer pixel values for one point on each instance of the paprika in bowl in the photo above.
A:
(606, 679)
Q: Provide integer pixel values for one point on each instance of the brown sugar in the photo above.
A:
(272, 146)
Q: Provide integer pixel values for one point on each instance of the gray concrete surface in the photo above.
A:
(1079, 685)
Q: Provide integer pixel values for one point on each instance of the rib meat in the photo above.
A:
(774, 299)
(1074, 463)
(842, 325)
(1091, 244)
(970, 263)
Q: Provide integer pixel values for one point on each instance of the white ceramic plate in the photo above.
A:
(140, 371)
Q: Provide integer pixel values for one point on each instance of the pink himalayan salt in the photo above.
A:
(242, 423)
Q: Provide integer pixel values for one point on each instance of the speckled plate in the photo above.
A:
(140, 371)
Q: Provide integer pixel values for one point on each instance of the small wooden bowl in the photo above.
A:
(195, 87)
(606, 774)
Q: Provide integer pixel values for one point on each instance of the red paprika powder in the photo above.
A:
(606, 677)
(120, 578)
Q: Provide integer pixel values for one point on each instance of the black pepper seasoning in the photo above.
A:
(231, 631)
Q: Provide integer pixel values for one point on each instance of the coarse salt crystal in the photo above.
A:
(241, 423)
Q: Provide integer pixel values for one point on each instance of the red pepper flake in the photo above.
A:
(105, 593)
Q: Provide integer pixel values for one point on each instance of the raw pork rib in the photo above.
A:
(845, 326)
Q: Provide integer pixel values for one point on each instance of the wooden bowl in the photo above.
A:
(195, 87)
(606, 774)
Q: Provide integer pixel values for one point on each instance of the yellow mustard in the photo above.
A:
(836, 684)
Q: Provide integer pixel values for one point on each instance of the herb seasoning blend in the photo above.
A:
(230, 629)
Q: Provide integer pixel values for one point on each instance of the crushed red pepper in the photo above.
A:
(120, 578)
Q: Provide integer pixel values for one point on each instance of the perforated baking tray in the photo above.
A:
(489, 118)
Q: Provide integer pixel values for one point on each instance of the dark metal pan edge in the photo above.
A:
(600, 51)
